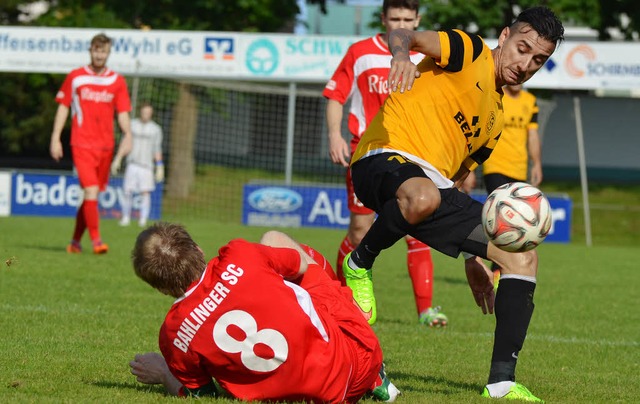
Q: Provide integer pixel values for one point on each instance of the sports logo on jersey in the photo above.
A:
(217, 48)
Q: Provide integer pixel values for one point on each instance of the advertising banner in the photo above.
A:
(275, 57)
(60, 195)
(195, 54)
(326, 206)
(295, 206)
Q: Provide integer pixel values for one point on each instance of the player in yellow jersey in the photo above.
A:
(520, 141)
(442, 119)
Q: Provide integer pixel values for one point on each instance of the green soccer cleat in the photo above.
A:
(433, 317)
(360, 283)
(516, 392)
(383, 389)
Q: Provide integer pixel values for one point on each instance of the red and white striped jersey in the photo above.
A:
(94, 99)
(362, 75)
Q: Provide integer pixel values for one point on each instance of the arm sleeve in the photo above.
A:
(284, 261)
(157, 146)
(122, 101)
(533, 123)
(63, 96)
(184, 367)
(341, 83)
(458, 49)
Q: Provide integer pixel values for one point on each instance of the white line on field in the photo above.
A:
(559, 340)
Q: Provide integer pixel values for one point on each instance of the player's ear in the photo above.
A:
(416, 24)
(503, 35)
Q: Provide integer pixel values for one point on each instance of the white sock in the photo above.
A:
(145, 207)
(497, 390)
(126, 206)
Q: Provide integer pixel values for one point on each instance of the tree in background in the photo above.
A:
(487, 17)
(25, 130)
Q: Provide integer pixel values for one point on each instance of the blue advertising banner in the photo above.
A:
(60, 195)
(295, 206)
(326, 206)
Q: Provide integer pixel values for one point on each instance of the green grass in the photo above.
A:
(70, 324)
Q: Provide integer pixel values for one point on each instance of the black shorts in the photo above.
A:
(493, 181)
(454, 227)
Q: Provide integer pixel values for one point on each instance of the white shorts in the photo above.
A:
(138, 179)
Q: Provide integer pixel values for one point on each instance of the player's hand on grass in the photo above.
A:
(149, 368)
(480, 280)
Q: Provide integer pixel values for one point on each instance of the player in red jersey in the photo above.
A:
(362, 76)
(262, 321)
(94, 93)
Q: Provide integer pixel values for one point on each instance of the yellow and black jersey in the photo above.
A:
(452, 114)
(510, 156)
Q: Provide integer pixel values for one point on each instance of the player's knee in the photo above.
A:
(419, 207)
(525, 263)
(273, 238)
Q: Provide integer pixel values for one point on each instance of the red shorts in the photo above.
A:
(363, 345)
(92, 165)
(361, 342)
(321, 260)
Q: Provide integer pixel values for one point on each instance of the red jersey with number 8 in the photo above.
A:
(94, 100)
(264, 338)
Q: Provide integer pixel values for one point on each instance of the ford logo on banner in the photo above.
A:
(275, 200)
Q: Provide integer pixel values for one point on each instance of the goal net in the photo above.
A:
(220, 135)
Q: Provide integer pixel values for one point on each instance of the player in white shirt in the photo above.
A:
(144, 165)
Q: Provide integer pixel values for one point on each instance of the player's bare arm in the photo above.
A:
(404, 72)
(533, 146)
(274, 238)
(55, 145)
(126, 143)
(338, 147)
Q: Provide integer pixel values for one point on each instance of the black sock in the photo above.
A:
(513, 308)
(389, 227)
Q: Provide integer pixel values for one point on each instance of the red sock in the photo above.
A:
(92, 217)
(420, 268)
(345, 248)
(81, 224)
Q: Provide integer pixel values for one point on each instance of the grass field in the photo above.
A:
(70, 324)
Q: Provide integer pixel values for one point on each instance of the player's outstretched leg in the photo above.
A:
(359, 280)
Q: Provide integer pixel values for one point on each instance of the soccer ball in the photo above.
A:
(516, 217)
